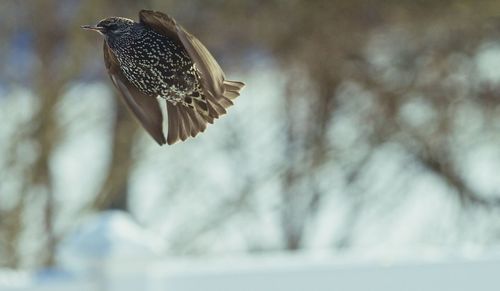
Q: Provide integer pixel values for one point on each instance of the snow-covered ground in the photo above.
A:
(110, 251)
(273, 273)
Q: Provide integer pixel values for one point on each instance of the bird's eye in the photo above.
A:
(112, 26)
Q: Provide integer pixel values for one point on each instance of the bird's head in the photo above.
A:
(112, 26)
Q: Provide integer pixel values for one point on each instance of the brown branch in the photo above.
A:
(114, 190)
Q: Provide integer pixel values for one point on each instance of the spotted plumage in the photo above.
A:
(157, 58)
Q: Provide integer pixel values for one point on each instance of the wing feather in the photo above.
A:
(218, 91)
(145, 108)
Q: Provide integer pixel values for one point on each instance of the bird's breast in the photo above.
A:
(157, 65)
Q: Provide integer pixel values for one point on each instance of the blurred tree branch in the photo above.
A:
(113, 193)
(421, 49)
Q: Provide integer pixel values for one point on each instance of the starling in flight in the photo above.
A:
(156, 57)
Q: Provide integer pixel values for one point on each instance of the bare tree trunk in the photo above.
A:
(306, 150)
(10, 224)
(114, 192)
(46, 132)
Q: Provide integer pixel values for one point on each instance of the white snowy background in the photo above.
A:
(215, 211)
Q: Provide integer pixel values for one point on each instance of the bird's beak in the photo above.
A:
(93, 27)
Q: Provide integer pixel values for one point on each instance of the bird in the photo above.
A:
(157, 58)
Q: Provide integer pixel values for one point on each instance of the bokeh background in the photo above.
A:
(365, 125)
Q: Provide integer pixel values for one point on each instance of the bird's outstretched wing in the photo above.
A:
(219, 92)
(145, 108)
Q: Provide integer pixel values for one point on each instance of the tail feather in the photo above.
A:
(185, 121)
(225, 102)
(232, 88)
(215, 108)
(219, 104)
(173, 123)
(199, 123)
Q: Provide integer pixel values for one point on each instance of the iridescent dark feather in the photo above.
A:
(144, 107)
